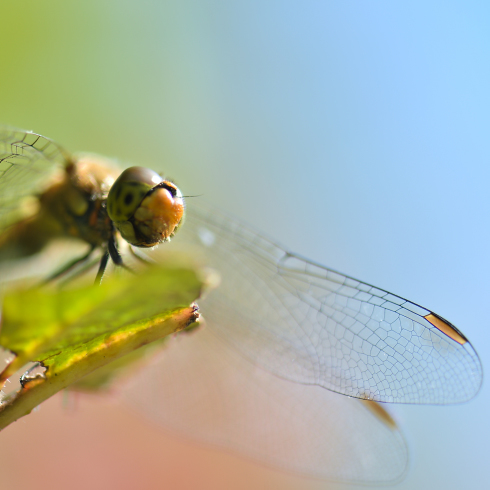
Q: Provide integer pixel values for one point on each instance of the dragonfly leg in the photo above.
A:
(116, 255)
(102, 267)
(114, 252)
(71, 265)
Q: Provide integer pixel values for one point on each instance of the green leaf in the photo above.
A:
(72, 332)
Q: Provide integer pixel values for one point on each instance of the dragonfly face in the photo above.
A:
(280, 329)
(144, 207)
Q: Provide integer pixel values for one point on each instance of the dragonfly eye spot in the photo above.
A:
(128, 198)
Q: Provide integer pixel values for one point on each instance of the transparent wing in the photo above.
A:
(26, 159)
(204, 389)
(309, 324)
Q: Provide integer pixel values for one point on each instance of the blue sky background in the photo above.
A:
(356, 133)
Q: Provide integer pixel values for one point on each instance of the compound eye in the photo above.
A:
(129, 190)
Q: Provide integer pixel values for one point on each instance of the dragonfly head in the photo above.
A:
(145, 208)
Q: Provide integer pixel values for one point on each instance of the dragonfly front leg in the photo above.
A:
(102, 267)
(116, 257)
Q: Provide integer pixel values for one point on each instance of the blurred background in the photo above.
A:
(355, 133)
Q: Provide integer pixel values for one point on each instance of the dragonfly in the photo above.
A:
(284, 336)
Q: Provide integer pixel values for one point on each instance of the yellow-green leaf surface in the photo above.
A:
(73, 332)
(74, 363)
(38, 323)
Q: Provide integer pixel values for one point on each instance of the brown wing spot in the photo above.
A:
(377, 409)
(445, 328)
